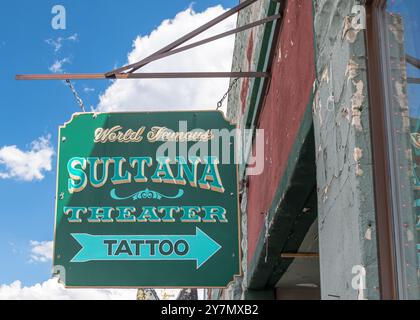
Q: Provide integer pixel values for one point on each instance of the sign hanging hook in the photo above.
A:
(220, 103)
(78, 99)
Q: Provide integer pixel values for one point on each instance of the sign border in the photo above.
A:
(56, 274)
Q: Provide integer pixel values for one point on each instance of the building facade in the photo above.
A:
(329, 201)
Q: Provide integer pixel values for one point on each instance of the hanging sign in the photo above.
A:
(147, 200)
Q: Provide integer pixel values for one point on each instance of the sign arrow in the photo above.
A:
(199, 247)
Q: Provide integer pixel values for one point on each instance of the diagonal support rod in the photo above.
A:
(413, 61)
(169, 50)
(204, 41)
(185, 38)
(413, 80)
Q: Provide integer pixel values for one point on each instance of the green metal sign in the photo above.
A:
(147, 200)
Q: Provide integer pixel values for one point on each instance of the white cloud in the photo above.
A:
(167, 94)
(129, 95)
(41, 251)
(57, 43)
(13, 247)
(52, 290)
(73, 37)
(57, 66)
(26, 165)
(88, 90)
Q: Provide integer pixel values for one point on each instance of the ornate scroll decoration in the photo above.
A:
(146, 194)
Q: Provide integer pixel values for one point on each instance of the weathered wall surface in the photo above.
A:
(347, 235)
(285, 103)
(247, 55)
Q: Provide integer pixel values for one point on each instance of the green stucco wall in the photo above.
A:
(346, 213)
(347, 233)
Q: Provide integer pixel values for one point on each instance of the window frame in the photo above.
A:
(378, 91)
(391, 254)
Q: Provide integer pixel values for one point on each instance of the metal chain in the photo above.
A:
(220, 103)
(78, 99)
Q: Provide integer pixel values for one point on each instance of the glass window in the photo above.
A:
(401, 67)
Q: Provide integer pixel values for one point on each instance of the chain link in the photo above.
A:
(220, 103)
(78, 99)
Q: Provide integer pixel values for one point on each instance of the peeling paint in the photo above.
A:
(359, 171)
(358, 154)
(356, 105)
(325, 195)
(401, 96)
(325, 75)
(402, 99)
(350, 30)
(317, 107)
(346, 205)
(345, 113)
(397, 32)
(410, 235)
(352, 69)
(368, 234)
(315, 103)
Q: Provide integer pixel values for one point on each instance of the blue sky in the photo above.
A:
(99, 36)
(409, 10)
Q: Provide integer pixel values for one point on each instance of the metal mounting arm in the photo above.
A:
(192, 34)
(160, 75)
(127, 72)
(413, 61)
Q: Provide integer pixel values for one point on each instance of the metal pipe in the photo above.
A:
(413, 61)
(168, 75)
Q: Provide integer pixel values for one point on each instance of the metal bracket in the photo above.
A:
(159, 75)
(413, 61)
(135, 66)
(127, 72)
